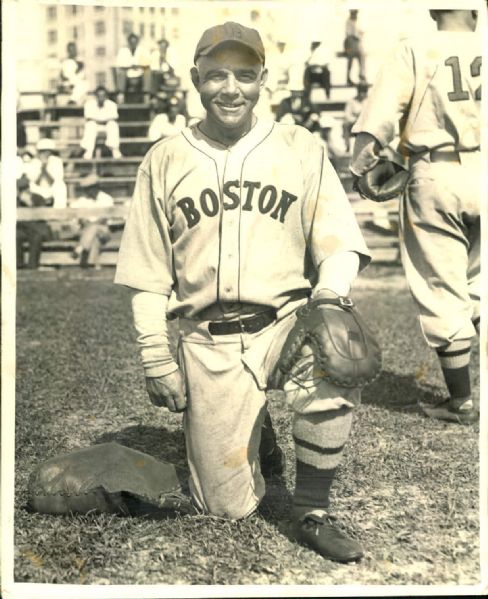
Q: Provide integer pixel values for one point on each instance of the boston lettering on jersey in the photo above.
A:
(267, 199)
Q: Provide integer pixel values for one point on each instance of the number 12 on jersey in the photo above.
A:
(458, 92)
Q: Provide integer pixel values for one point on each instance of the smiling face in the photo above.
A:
(229, 81)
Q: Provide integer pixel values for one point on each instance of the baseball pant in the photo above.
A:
(92, 129)
(440, 245)
(226, 378)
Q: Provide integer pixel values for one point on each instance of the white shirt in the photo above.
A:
(162, 127)
(321, 56)
(69, 70)
(131, 62)
(101, 114)
(54, 168)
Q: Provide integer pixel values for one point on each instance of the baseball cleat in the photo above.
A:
(317, 531)
(451, 411)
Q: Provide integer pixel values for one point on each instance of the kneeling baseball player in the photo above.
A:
(241, 228)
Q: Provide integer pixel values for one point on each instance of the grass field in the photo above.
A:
(408, 488)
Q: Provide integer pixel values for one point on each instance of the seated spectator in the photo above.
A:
(31, 232)
(162, 73)
(101, 118)
(298, 110)
(45, 174)
(317, 68)
(72, 76)
(94, 231)
(351, 113)
(353, 46)
(167, 123)
(132, 72)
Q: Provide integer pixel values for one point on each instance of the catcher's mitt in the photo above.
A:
(106, 478)
(385, 181)
(344, 348)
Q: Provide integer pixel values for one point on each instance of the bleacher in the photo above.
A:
(46, 115)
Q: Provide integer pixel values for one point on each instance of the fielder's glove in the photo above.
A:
(343, 346)
(385, 181)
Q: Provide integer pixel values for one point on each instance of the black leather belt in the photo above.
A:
(252, 324)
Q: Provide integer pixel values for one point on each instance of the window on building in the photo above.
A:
(152, 31)
(101, 78)
(163, 10)
(52, 12)
(74, 9)
(52, 36)
(175, 11)
(100, 51)
(99, 8)
(99, 27)
(74, 33)
(53, 85)
(126, 27)
(152, 9)
(141, 29)
(141, 9)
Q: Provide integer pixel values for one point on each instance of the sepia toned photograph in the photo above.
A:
(243, 298)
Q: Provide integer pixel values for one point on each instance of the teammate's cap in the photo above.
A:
(229, 32)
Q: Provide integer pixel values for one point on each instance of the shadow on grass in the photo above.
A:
(397, 393)
(157, 441)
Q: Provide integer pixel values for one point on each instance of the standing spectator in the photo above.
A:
(72, 76)
(317, 68)
(162, 72)
(46, 174)
(353, 46)
(101, 117)
(352, 112)
(279, 77)
(94, 231)
(166, 124)
(132, 72)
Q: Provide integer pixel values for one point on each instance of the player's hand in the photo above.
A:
(167, 391)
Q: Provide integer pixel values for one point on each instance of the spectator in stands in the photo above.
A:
(279, 76)
(167, 123)
(45, 173)
(351, 113)
(72, 76)
(132, 72)
(101, 118)
(317, 68)
(94, 231)
(31, 232)
(162, 72)
(353, 46)
(298, 110)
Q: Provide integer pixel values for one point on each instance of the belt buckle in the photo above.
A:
(345, 302)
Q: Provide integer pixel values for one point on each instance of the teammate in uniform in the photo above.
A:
(234, 223)
(431, 85)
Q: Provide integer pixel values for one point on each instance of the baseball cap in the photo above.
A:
(229, 32)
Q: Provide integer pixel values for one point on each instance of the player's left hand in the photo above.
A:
(167, 391)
